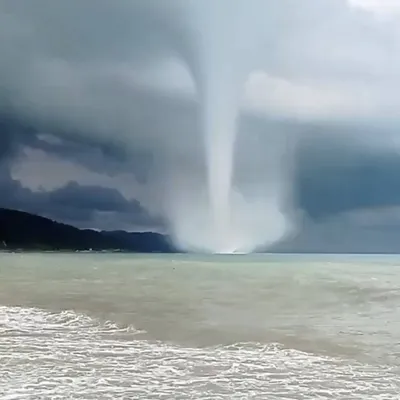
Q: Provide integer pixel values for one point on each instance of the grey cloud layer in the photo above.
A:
(71, 68)
(331, 176)
(83, 206)
(71, 63)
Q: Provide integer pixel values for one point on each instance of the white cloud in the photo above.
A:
(274, 95)
(381, 8)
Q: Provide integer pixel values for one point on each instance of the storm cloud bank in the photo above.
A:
(125, 76)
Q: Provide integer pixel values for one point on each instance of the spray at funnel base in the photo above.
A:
(211, 212)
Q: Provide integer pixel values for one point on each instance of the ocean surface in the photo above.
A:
(98, 326)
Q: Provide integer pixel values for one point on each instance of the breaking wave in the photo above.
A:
(73, 356)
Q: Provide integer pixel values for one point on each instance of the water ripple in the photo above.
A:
(72, 356)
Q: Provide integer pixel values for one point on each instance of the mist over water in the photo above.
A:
(219, 216)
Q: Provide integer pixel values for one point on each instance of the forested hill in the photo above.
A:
(21, 230)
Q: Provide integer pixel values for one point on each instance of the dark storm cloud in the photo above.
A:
(76, 204)
(158, 116)
(92, 198)
(66, 66)
(71, 70)
(70, 67)
(72, 63)
(335, 177)
(12, 135)
(109, 159)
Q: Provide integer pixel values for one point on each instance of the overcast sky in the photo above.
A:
(96, 96)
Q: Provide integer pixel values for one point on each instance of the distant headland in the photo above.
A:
(22, 231)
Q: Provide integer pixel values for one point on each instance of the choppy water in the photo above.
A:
(180, 327)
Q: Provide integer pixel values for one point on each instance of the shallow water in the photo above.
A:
(97, 326)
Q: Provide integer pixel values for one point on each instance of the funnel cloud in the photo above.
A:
(218, 215)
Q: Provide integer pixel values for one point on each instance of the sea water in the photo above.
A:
(97, 326)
